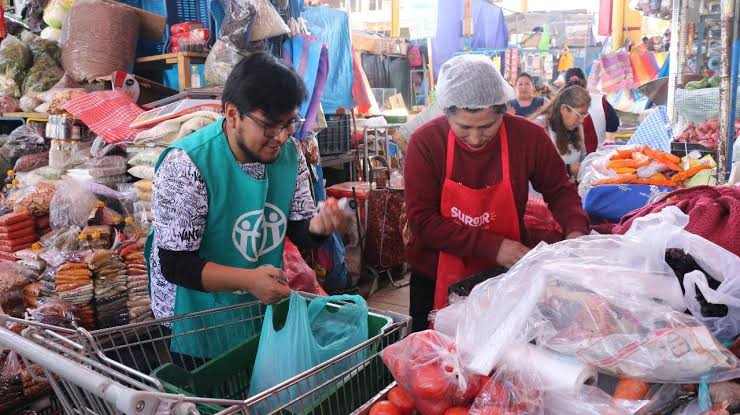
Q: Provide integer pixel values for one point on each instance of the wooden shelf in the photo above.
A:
(29, 115)
(183, 60)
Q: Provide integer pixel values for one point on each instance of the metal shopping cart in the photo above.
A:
(132, 370)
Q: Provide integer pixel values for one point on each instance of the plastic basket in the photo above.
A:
(464, 287)
(337, 137)
(683, 149)
(227, 376)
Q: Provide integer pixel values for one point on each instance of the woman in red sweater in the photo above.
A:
(467, 182)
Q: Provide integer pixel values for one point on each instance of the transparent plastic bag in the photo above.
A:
(43, 75)
(64, 239)
(106, 166)
(268, 23)
(426, 364)
(71, 204)
(589, 401)
(301, 277)
(29, 102)
(34, 198)
(15, 58)
(145, 157)
(40, 47)
(9, 87)
(220, 62)
(26, 139)
(236, 29)
(11, 385)
(509, 391)
(611, 301)
(8, 104)
(55, 312)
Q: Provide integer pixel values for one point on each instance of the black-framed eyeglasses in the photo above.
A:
(271, 131)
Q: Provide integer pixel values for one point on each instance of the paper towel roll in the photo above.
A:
(556, 371)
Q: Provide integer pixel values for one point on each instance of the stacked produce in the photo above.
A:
(138, 304)
(74, 285)
(17, 232)
(643, 165)
(55, 312)
(12, 280)
(110, 279)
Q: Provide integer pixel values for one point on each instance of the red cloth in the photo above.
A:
(359, 88)
(714, 214)
(605, 17)
(532, 157)
(108, 114)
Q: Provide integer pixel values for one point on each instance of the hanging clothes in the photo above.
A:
(310, 59)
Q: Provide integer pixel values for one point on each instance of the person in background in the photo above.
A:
(467, 184)
(565, 125)
(526, 103)
(403, 134)
(602, 116)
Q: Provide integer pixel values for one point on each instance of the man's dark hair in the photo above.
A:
(498, 109)
(526, 75)
(575, 76)
(262, 82)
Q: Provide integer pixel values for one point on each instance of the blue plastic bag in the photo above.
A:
(312, 334)
(613, 201)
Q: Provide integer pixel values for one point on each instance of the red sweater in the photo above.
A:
(532, 157)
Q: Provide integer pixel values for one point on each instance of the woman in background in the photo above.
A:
(602, 116)
(526, 103)
(565, 125)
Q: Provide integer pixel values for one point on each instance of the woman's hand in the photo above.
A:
(329, 219)
(575, 168)
(510, 252)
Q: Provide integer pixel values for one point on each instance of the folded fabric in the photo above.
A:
(107, 113)
(169, 131)
(612, 202)
(714, 214)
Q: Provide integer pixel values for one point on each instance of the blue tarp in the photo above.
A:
(489, 27)
(332, 27)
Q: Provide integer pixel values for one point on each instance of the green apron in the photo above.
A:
(246, 227)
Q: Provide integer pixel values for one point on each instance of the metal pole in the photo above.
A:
(734, 82)
(677, 54)
(725, 92)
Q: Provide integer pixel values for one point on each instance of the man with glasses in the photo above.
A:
(226, 196)
(467, 178)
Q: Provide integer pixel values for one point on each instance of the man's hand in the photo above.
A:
(510, 252)
(268, 284)
(575, 168)
(574, 235)
(329, 219)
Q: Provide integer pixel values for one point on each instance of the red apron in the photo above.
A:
(491, 208)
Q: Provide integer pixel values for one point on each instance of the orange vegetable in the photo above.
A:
(429, 383)
(402, 400)
(385, 408)
(634, 164)
(685, 175)
(631, 389)
(656, 182)
(625, 170)
(661, 156)
(626, 154)
(622, 179)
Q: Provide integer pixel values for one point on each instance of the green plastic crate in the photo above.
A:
(228, 375)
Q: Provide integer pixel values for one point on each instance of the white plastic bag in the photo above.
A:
(589, 401)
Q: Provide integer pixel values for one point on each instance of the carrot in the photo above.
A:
(626, 154)
(661, 156)
(685, 175)
(625, 170)
(656, 182)
(621, 179)
(631, 389)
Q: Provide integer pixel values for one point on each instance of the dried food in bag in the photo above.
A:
(26, 139)
(13, 277)
(142, 172)
(43, 75)
(40, 47)
(11, 385)
(15, 58)
(34, 198)
(220, 62)
(31, 162)
(9, 87)
(8, 103)
(236, 29)
(56, 312)
(29, 102)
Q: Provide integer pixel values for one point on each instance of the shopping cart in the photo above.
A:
(131, 369)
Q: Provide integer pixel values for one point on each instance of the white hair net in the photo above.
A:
(473, 82)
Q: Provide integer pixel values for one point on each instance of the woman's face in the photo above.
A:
(524, 88)
(573, 116)
(476, 129)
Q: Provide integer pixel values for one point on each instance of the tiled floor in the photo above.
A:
(392, 299)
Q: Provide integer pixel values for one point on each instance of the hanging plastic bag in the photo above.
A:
(309, 337)
(509, 392)
(427, 365)
(566, 60)
(220, 62)
(71, 204)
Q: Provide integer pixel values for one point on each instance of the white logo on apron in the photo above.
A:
(265, 228)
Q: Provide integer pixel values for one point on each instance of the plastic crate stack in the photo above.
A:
(110, 278)
(337, 137)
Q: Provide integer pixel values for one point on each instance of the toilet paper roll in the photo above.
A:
(556, 371)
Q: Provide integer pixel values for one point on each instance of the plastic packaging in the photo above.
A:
(8, 104)
(589, 401)
(473, 82)
(31, 162)
(145, 157)
(426, 364)
(43, 75)
(509, 391)
(63, 239)
(34, 198)
(15, 58)
(98, 39)
(9, 87)
(301, 277)
(236, 29)
(142, 172)
(71, 205)
(40, 47)
(269, 24)
(220, 62)
(26, 139)
(11, 385)
(28, 103)
(55, 312)
(310, 335)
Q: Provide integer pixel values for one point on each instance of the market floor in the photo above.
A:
(391, 299)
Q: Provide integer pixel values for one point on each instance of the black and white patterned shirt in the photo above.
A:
(180, 214)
